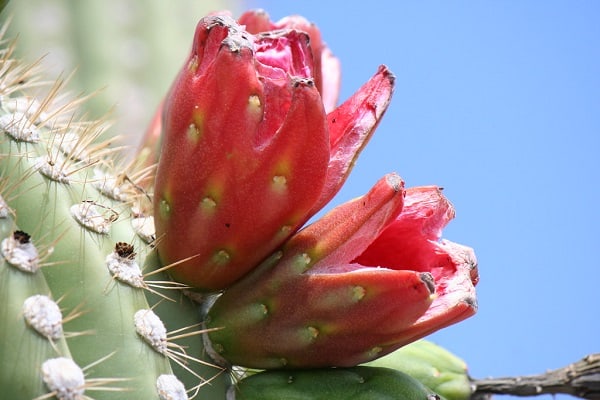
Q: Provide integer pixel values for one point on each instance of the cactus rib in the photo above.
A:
(51, 185)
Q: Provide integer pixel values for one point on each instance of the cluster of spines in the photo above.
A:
(75, 241)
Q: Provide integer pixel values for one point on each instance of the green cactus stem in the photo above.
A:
(434, 366)
(357, 383)
(129, 48)
(22, 347)
(76, 208)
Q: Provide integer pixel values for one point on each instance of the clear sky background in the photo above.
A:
(499, 103)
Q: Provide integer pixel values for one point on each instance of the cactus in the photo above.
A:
(69, 219)
(357, 383)
(432, 365)
(89, 309)
(115, 46)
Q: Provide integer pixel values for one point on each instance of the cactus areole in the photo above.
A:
(248, 151)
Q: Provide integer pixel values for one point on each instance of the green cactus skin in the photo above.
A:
(432, 365)
(20, 346)
(357, 383)
(41, 195)
(184, 313)
(131, 48)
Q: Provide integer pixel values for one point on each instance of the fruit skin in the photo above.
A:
(432, 365)
(248, 153)
(317, 301)
(357, 383)
(327, 72)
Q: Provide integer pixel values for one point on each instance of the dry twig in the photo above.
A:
(580, 379)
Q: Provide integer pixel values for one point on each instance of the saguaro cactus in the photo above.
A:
(129, 49)
(89, 310)
(70, 234)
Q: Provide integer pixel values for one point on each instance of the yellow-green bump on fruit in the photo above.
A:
(164, 209)
(194, 133)
(208, 205)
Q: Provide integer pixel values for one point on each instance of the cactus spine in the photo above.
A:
(77, 210)
(131, 48)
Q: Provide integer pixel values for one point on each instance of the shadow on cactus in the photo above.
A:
(250, 145)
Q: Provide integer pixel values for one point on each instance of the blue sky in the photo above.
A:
(499, 103)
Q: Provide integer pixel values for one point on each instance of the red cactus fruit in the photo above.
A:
(364, 280)
(248, 153)
(327, 70)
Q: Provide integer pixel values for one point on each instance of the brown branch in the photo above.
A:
(580, 379)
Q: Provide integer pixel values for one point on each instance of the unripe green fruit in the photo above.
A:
(358, 383)
(432, 365)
